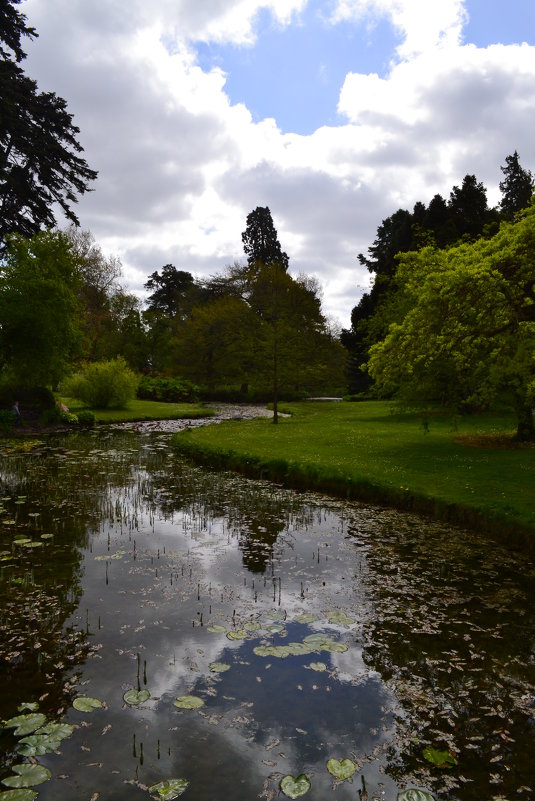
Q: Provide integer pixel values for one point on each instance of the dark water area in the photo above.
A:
(299, 629)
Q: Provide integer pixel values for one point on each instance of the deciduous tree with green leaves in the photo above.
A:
(40, 309)
(468, 336)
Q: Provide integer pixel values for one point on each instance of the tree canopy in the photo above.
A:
(516, 187)
(260, 240)
(40, 161)
(468, 336)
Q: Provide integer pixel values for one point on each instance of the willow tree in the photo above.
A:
(468, 336)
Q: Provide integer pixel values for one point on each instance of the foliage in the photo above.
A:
(168, 389)
(516, 187)
(102, 385)
(260, 240)
(169, 291)
(86, 418)
(39, 309)
(469, 335)
(41, 167)
(57, 415)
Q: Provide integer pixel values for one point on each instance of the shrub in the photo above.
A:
(56, 416)
(86, 418)
(101, 385)
(168, 389)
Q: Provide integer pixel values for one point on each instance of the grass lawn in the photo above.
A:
(464, 469)
(143, 410)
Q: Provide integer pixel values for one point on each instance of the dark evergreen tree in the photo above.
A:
(516, 187)
(260, 241)
(170, 291)
(468, 205)
(40, 165)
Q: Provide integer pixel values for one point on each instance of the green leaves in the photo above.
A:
(442, 759)
(219, 667)
(295, 787)
(188, 702)
(27, 776)
(167, 790)
(341, 769)
(18, 795)
(26, 724)
(135, 697)
(85, 703)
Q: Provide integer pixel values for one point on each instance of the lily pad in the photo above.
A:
(413, 794)
(188, 702)
(37, 744)
(31, 706)
(26, 724)
(27, 776)
(134, 697)
(275, 628)
(217, 629)
(295, 787)
(333, 647)
(442, 759)
(18, 795)
(86, 704)
(306, 617)
(219, 667)
(240, 634)
(341, 768)
(59, 731)
(169, 789)
(319, 667)
(340, 618)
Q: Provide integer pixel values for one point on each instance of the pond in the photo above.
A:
(162, 622)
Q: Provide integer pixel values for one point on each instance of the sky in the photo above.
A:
(333, 113)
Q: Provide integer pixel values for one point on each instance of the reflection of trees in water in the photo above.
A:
(451, 633)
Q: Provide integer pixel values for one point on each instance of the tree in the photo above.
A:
(170, 291)
(40, 309)
(260, 241)
(469, 335)
(40, 165)
(516, 187)
(468, 205)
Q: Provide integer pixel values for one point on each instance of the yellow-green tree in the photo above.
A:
(468, 336)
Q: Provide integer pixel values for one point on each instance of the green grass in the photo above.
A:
(463, 470)
(139, 410)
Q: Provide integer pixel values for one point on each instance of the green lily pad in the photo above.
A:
(333, 647)
(217, 629)
(295, 788)
(59, 731)
(86, 704)
(319, 667)
(26, 724)
(219, 667)
(299, 648)
(442, 759)
(18, 795)
(341, 768)
(240, 634)
(27, 776)
(37, 744)
(306, 617)
(31, 706)
(251, 626)
(279, 651)
(134, 697)
(340, 618)
(169, 789)
(188, 702)
(275, 628)
(414, 794)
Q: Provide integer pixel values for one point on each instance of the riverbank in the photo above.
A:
(465, 470)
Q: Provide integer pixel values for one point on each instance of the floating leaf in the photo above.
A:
(27, 776)
(38, 744)
(442, 759)
(219, 667)
(299, 648)
(169, 789)
(341, 768)
(188, 702)
(26, 724)
(134, 697)
(320, 667)
(340, 618)
(86, 704)
(415, 795)
(18, 795)
(240, 634)
(305, 618)
(31, 706)
(217, 629)
(275, 628)
(294, 788)
(104, 557)
(335, 647)
(252, 626)
(60, 731)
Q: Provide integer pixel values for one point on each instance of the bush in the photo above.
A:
(56, 416)
(86, 418)
(102, 385)
(168, 389)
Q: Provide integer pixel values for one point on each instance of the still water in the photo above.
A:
(262, 632)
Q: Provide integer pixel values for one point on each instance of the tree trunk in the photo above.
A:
(526, 428)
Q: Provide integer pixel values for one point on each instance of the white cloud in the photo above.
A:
(180, 167)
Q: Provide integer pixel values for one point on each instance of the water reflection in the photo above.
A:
(156, 571)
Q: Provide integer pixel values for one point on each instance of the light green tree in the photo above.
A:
(40, 311)
(468, 336)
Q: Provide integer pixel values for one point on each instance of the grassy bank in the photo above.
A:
(464, 470)
(140, 410)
